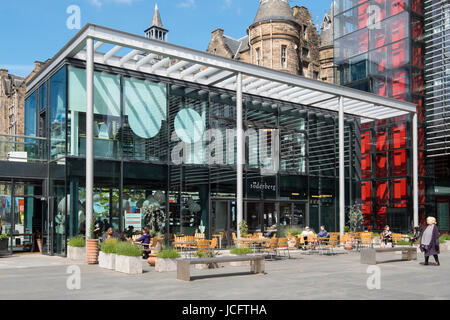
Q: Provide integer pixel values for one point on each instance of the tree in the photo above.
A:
(355, 217)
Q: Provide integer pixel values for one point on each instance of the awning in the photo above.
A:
(133, 52)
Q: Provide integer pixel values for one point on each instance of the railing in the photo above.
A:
(18, 148)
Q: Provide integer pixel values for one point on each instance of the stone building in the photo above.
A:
(12, 93)
(280, 38)
(12, 100)
(327, 66)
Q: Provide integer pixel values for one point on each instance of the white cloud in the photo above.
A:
(187, 4)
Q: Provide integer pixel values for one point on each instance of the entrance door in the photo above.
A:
(293, 215)
(224, 219)
(254, 216)
(26, 224)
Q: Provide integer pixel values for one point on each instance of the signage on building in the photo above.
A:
(133, 218)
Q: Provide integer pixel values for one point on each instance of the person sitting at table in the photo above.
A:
(323, 234)
(386, 236)
(305, 234)
(110, 234)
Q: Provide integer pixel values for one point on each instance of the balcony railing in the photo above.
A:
(18, 148)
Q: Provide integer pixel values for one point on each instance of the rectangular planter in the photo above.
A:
(166, 265)
(4, 247)
(107, 261)
(76, 254)
(128, 265)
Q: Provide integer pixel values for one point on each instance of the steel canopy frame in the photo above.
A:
(145, 55)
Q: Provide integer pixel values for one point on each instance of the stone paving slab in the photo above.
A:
(305, 277)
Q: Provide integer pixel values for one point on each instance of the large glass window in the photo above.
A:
(58, 114)
(107, 122)
(144, 133)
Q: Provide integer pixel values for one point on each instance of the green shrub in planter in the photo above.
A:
(241, 251)
(127, 249)
(168, 254)
(109, 246)
(403, 243)
(442, 239)
(3, 237)
(77, 242)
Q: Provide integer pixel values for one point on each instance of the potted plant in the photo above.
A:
(107, 255)
(92, 247)
(166, 260)
(4, 244)
(208, 254)
(240, 252)
(76, 249)
(128, 258)
(243, 227)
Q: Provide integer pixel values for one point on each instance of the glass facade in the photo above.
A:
(165, 158)
(437, 106)
(379, 48)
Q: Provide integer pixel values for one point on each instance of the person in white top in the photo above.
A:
(305, 234)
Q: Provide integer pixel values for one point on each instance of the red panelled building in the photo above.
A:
(379, 48)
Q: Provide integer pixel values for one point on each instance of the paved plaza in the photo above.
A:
(301, 278)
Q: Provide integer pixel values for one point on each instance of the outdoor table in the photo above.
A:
(254, 241)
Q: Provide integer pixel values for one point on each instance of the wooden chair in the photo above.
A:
(283, 245)
(203, 245)
(396, 237)
(311, 239)
(333, 242)
(214, 243)
(200, 236)
(272, 247)
(366, 240)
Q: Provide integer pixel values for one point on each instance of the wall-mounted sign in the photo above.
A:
(256, 185)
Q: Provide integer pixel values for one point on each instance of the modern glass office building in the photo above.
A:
(379, 48)
(165, 149)
(437, 104)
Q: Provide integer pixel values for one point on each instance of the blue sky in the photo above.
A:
(35, 30)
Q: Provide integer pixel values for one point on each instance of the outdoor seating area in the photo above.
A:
(273, 248)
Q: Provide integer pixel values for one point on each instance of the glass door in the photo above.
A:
(254, 216)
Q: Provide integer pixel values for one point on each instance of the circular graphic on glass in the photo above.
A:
(189, 126)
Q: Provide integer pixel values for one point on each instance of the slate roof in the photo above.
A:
(274, 10)
(236, 46)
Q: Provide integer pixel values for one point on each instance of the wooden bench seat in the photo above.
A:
(257, 264)
(369, 255)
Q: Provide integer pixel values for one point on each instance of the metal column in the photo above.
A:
(240, 154)
(415, 171)
(341, 167)
(89, 135)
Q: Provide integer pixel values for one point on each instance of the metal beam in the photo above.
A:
(111, 53)
(89, 136)
(341, 167)
(240, 154)
(415, 171)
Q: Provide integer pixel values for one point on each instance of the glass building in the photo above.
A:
(437, 105)
(165, 150)
(379, 48)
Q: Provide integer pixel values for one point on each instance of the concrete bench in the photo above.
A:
(257, 264)
(369, 256)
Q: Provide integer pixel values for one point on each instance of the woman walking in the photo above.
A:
(429, 243)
